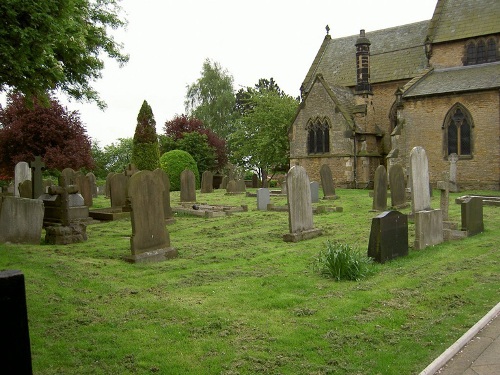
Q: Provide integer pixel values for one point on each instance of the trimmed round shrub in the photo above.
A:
(174, 162)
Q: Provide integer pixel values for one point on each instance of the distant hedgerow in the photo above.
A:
(342, 262)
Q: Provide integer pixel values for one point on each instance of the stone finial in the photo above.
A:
(327, 30)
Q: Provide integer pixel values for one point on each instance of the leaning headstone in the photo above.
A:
(93, 184)
(327, 182)
(263, 199)
(314, 192)
(188, 186)
(22, 172)
(21, 220)
(15, 338)
(150, 240)
(472, 215)
(388, 236)
(419, 180)
(26, 189)
(118, 190)
(453, 159)
(380, 189)
(37, 167)
(397, 185)
(207, 182)
(428, 228)
(300, 214)
(165, 184)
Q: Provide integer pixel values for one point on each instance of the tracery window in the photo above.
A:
(480, 51)
(458, 132)
(318, 136)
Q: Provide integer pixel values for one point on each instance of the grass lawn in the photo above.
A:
(239, 300)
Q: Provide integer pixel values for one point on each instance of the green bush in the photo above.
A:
(342, 262)
(174, 162)
(145, 156)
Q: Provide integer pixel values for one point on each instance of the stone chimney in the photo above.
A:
(363, 85)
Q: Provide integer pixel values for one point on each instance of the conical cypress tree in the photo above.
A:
(145, 149)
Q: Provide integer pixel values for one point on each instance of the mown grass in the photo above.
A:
(239, 300)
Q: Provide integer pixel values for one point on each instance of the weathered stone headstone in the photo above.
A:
(231, 187)
(207, 182)
(15, 339)
(300, 214)
(150, 240)
(93, 184)
(314, 192)
(223, 184)
(327, 182)
(108, 184)
(26, 189)
(388, 236)
(472, 215)
(69, 176)
(263, 199)
(428, 228)
(419, 180)
(444, 199)
(397, 185)
(453, 159)
(21, 220)
(240, 186)
(85, 189)
(165, 184)
(22, 172)
(380, 189)
(37, 167)
(255, 181)
(118, 190)
(188, 186)
(130, 170)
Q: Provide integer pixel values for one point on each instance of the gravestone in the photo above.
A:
(453, 186)
(37, 167)
(428, 228)
(207, 182)
(118, 190)
(444, 199)
(93, 184)
(84, 188)
(419, 180)
(108, 184)
(130, 170)
(397, 185)
(231, 187)
(26, 189)
(15, 338)
(388, 236)
(22, 172)
(472, 215)
(240, 186)
(380, 189)
(223, 184)
(314, 192)
(165, 184)
(255, 181)
(21, 220)
(188, 186)
(150, 240)
(327, 182)
(263, 199)
(69, 176)
(300, 214)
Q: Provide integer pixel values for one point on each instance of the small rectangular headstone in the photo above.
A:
(314, 192)
(428, 228)
(263, 199)
(472, 215)
(388, 236)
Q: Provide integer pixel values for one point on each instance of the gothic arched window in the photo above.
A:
(318, 136)
(480, 51)
(458, 132)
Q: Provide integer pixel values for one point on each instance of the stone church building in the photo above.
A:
(368, 99)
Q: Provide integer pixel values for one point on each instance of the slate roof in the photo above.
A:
(462, 19)
(396, 53)
(457, 79)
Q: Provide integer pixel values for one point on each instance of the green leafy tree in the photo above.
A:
(196, 144)
(260, 140)
(117, 156)
(57, 45)
(211, 99)
(145, 150)
(174, 162)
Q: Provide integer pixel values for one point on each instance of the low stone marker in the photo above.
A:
(21, 220)
(314, 192)
(380, 189)
(188, 186)
(118, 190)
(207, 182)
(263, 199)
(428, 228)
(150, 240)
(388, 236)
(472, 216)
(300, 214)
(14, 337)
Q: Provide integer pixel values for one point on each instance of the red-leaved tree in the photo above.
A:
(28, 130)
(179, 125)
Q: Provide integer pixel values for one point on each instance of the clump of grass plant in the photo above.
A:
(342, 262)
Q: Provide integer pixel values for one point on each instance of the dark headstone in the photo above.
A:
(255, 181)
(118, 190)
(188, 186)
(85, 189)
(207, 182)
(388, 236)
(165, 184)
(327, 182)
(472, 215)
(93, 184)
(37, 167)
(108, 184)
(15, 357)
(380, 189)
(397, 185)
(26, 189)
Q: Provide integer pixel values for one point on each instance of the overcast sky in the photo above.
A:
(168, 41)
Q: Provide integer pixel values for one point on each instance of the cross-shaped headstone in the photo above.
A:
(36, 167)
